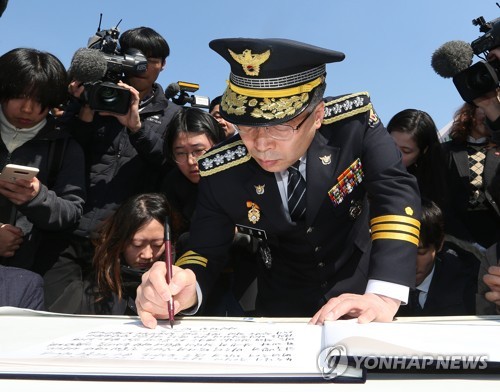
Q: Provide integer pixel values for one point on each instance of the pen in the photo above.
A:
(168, 262)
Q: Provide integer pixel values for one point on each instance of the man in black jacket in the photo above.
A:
(318, 254)
(124, 154)
(446, 278)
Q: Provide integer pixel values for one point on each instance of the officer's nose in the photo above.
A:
(262, 140)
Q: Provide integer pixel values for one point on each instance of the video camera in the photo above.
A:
(481, 77)
(105, 94)
(178, 93)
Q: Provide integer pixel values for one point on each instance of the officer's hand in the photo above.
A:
(492, 279)
(154, 293)
(131, 119)
(366, 308)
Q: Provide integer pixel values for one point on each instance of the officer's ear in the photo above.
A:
(319, 114)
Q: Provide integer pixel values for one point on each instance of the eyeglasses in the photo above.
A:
(278, 132)
(183, 157)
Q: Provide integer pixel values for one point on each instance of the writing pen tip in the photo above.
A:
(171, 324)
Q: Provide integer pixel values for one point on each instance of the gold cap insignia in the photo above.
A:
(326, 160)
(259, 189)
(253, 212)
(250, 62)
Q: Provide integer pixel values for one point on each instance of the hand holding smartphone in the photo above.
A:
(12, 172)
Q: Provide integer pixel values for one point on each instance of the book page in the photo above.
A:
(191, 347)
(473, 338)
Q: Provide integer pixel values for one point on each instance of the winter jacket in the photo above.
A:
(57, 208)
(121, 164)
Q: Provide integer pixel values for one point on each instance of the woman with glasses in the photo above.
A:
(190, 134)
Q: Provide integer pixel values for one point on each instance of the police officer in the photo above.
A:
(343, 244)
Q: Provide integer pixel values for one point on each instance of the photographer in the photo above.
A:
(489, 274)
(490, 103)
(124, 155)
(472, 160)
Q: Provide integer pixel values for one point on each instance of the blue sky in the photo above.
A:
(388, 43)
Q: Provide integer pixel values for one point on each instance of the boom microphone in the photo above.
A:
(451, 58)
(172, 90)
(87, 65)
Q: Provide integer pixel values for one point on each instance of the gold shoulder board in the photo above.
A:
(346, 106)
(223, 158)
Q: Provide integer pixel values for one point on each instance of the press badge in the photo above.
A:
(261, 237)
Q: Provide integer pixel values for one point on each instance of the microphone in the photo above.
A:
(452, 58)
(87, 66)
(181, 88)
(172, 90)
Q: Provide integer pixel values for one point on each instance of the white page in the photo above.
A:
(440, 338)
(191, 348)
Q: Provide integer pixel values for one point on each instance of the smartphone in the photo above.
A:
(13, 172)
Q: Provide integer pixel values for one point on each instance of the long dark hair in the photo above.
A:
(116, 233)
(429, 169)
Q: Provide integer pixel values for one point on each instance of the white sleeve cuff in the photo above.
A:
(392, 290)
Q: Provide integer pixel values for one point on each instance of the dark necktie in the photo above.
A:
(296, 192)
(414, 300)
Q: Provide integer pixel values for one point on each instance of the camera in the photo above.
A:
(179, 93)
(105, 94)
(481, 77)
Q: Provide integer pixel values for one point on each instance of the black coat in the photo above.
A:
(329, 254)
(181, 194)
(121, 164)
(58, 206)
(453, 287)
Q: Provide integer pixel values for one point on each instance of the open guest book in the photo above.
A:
(48, 345)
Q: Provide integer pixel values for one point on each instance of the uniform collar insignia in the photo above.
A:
(259, 189)
(326, 160)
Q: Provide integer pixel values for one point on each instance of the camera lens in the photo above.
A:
(477, 80)
(481, 80)
(108, 95)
